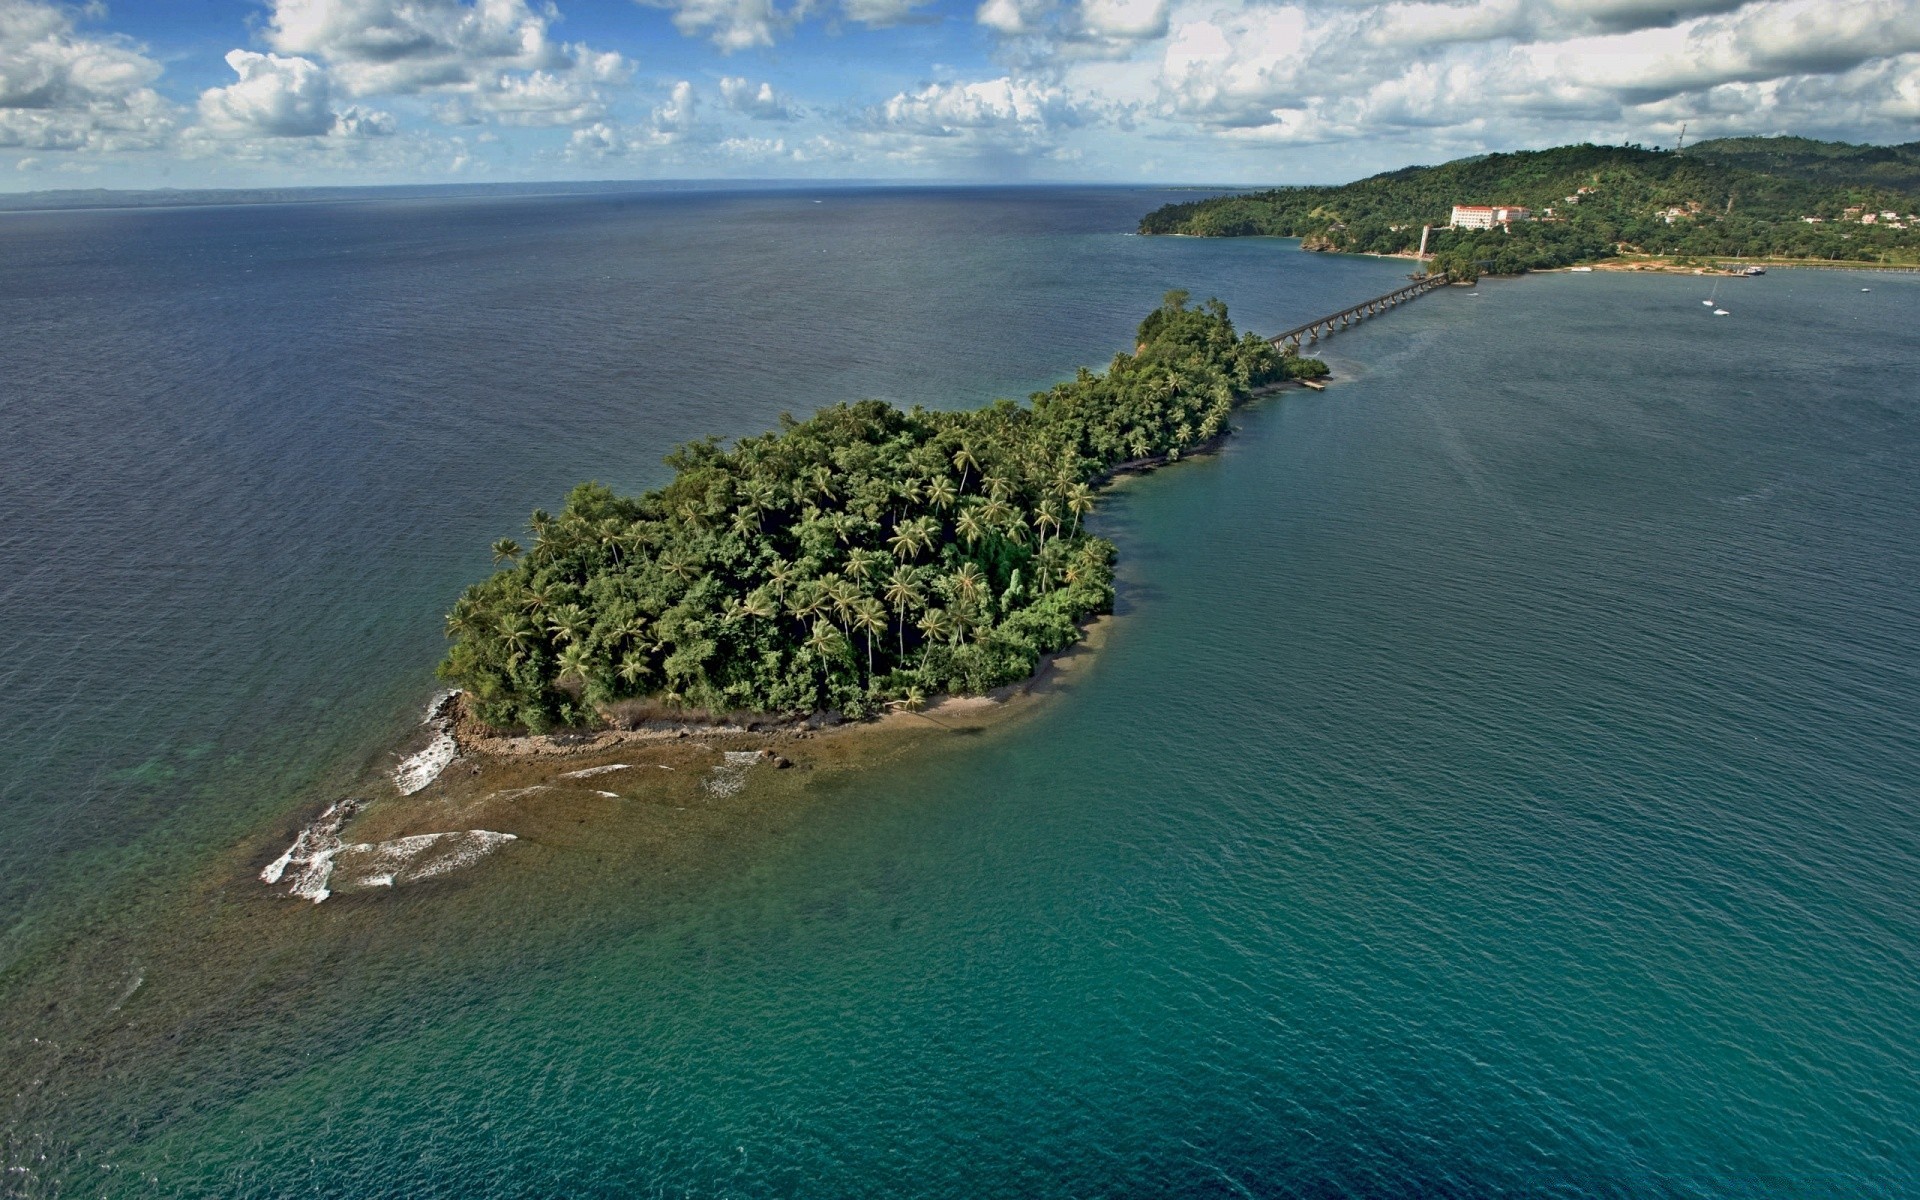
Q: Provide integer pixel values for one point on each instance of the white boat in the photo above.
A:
(1721, 312)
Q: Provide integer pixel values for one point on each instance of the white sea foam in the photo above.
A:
(419, 770)
(412, 859)
(731, 775)
(597, 770)
(319, 862)
(310, 858)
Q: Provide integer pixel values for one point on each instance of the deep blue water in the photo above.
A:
(1500, 780)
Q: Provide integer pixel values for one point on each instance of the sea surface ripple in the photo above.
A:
(1500, 780)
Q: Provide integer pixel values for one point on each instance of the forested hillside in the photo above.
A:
(1593, 202)
(1837, 163)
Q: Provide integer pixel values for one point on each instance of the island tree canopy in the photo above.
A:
(867, 555)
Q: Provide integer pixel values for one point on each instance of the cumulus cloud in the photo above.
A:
(386, 47)
(733, 25)
(486, 59)
(64, 89)
(1004, 121)
(759, 101)
(1503, 72)
(673, 121)
(280, 97)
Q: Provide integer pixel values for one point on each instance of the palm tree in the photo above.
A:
(633, 668)
(936, 625)
(758, 604)
(611, 535)
(843, 595)
(902, 591)
(631, 630)
(929, 532)
(575, 662)
(518, 635)
(941, 493)
(823, 641)
(904, 540)
(1079, 503)
(969, 525)
(569, 623)
(860, 565)
(506, 550)
(963, 459)
(806, 604)
(1048, 514)
(968, 582)
(871, 619)
(780, 574)
(677, 565)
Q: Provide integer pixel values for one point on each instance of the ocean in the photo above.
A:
(1499, 777)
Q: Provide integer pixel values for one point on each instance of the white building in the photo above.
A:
(1486, 216)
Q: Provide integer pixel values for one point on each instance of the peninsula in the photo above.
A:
(867, 556)
(1747, 198)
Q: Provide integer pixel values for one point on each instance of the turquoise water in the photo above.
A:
(1499, 779)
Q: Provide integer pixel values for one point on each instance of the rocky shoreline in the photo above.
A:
(457, 793)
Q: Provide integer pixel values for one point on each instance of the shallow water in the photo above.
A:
(1500, 779)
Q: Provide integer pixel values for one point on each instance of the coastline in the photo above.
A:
(460, 790)
(394, 830)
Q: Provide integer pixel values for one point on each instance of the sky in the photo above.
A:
(246, 93)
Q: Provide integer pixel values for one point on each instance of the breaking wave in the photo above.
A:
(418, 770)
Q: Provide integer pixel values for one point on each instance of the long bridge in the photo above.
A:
(1317, 328)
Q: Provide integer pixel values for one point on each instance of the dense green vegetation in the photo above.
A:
(867, 555)
(1841, 164)
(1742, 197)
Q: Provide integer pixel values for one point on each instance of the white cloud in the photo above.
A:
(1768, 40)
(879, 14)
(760, 101)
(388, 47)
(998, 124)
(1505, 73)
(275, 97)
(1129, 20)
(733, 25)
(675, 120)
(487, 58)
(62, 89)
(1005, 104)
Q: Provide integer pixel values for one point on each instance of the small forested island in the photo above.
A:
(1761, 198)
(868, 556)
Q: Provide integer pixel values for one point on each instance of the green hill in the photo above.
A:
(1841, 164)
(1747, 197)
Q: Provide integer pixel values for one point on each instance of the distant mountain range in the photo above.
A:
(1764, 197)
